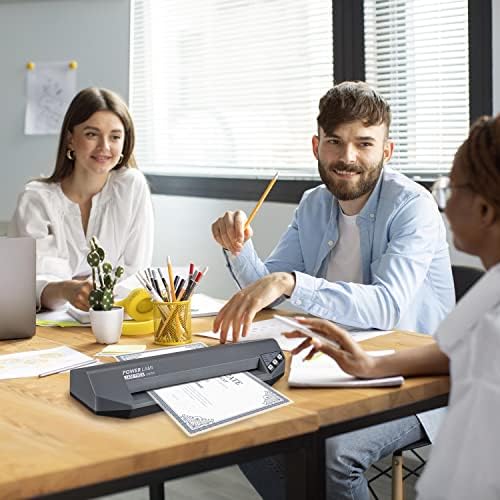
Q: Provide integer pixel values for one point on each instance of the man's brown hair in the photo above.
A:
(351, 101)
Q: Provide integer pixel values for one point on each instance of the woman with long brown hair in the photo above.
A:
(94, 190)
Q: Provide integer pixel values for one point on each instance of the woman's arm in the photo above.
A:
(75, 292)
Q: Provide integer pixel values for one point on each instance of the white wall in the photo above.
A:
(93, 32)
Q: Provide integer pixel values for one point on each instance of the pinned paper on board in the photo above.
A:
(50, 86)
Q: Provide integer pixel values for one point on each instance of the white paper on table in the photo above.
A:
(32, 363)
(273, 329)
(159, 352)
(50, 86)
(207, 404)
(323, 371)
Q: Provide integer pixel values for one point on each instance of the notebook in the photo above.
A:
(323, 371)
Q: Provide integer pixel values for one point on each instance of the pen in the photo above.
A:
(261, 200)
(164, 281)
(179, 287)
(67, 367)
(191, 270)
(190, 289)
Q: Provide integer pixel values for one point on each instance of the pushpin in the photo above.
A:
(30, 66)
(73, 65)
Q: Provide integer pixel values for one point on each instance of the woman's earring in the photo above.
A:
(120, 160)
(69, 154)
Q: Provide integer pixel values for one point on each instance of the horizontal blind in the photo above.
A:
(229, 87)
(416, 55)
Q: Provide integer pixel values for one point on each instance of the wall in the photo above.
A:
(93, 32)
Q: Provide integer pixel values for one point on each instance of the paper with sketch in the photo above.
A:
(50, 86)
(207, 404)
(272, 328)
(32, 363)
(323, 371)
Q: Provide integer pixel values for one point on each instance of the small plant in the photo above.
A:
(101, 297)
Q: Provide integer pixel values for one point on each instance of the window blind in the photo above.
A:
(416, 55)
(229, 87)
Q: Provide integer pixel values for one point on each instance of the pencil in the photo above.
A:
(171, 279)
(261, 200)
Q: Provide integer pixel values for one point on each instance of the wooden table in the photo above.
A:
(52, 445)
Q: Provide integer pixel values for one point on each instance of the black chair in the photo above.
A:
(464, 278)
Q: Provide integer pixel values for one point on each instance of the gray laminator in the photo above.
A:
(120, 389)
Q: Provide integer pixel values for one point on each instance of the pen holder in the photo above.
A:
(172, 322)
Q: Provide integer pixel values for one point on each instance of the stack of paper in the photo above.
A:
(323, 371)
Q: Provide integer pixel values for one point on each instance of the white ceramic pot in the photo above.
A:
(107, 325)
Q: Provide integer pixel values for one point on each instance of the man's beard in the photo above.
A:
(344, 189)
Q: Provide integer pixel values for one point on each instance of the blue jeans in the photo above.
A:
(348, 456)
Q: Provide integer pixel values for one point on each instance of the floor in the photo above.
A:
(230, 484)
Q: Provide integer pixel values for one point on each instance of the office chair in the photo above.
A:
(463, 278)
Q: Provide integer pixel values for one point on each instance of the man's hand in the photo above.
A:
(350, 357)
(240, 311)
(77, 293)
(229, 231)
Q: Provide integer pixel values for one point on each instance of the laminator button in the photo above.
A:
(275, 362)
(279, 357)
(270, 367)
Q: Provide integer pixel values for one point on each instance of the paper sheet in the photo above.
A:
(50, 86)
(323, 371)
(272, 328)
(32, 363)
(208, 404)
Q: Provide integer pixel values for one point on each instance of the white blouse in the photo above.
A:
(121, 218)
(463, 463)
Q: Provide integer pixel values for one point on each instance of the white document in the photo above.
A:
(49, 90)
(32, 363)
(159, 352)
(323, 371)
(273, 329)
(207, 404)
(204, 305)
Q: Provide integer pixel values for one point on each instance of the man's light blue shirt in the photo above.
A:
(407, 280)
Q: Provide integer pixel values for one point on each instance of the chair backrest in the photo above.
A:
(464, 277)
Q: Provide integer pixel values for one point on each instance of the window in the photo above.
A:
(229, 87)
(416, 55)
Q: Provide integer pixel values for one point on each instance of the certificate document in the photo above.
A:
(206, 404)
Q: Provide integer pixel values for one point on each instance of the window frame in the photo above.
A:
(348, 50)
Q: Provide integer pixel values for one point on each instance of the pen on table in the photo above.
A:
(67, 367)
(171, 279)
(261, 200)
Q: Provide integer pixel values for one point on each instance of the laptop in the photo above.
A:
(17, 288)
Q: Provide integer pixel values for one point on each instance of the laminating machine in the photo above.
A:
(120, 389)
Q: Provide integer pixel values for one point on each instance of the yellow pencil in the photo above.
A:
(171, 279)
(262, 198)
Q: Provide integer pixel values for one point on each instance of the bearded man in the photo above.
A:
(366, 249)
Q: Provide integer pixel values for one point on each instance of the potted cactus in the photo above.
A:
(106, 319)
